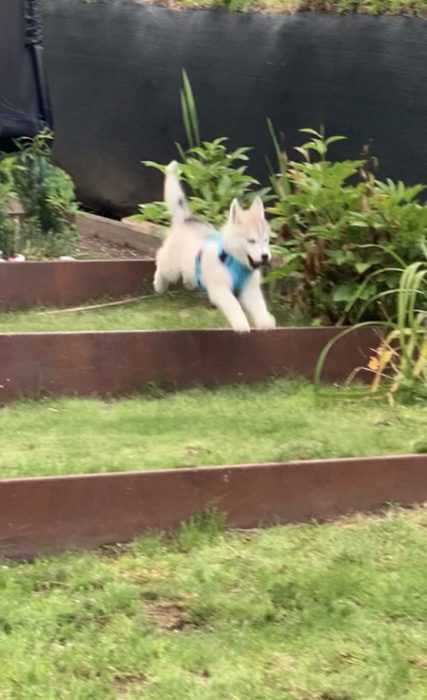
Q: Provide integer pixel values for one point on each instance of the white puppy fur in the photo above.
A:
(245, 238)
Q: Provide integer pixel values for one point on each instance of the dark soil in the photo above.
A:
(93, 247)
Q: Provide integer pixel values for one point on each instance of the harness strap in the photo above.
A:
(240, 273)
(198, 270)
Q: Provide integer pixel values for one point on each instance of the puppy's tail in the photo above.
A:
(174, 195)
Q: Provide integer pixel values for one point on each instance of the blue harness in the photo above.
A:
(239, 273)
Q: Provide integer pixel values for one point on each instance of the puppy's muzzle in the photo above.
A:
(255, 264)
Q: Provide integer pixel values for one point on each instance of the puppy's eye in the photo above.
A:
(251, 240)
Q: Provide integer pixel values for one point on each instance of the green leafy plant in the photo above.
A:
(7, 167)
(399, 363)
(336, 225)
(7, 225)
(155, 212)
(47, 195)
(213, 175)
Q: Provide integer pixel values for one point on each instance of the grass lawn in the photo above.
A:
(330, 612)
(177, 310)
(372, 7)
(273, 421)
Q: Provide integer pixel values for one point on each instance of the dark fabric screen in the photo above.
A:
(24, 100)
(115, 74)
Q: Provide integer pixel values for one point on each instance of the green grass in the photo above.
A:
(373, 7)
(274, 421)
(156, 313)
(330, 612)
(172, 311)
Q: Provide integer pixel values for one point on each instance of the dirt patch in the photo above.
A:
(94, 247)
(125, 685)
(112, 551)
(167, 615)
(203, 677)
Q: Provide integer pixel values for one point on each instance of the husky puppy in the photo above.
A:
(225, 264)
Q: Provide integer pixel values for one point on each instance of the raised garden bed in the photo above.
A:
(51, 514)
(63, 283)
(103, 238)
(106, 363)
(57, 513)
(120, 362)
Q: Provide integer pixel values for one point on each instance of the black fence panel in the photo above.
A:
(115, 70)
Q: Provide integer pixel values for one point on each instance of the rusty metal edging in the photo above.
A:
(123, 362)
(41, 515)
(64, 283)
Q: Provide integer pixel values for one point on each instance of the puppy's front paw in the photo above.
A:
(267, 323)
(241, 327)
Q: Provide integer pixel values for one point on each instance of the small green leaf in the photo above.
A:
(361, 267)
(344, 292)
(152, 164)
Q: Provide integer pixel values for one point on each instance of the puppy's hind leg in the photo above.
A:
(188, 270)
(161, 283)
(165, 273)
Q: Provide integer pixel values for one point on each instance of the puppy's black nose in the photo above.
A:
(265, 259)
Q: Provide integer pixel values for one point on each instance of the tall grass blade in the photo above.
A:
(189, 112)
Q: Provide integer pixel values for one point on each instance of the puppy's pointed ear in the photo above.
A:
(234, 213)
(257, 208)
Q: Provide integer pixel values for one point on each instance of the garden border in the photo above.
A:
(46, 515)
(123, 362)
(64, 283)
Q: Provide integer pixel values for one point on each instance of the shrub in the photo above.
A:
(46, 193)
(340, 231)
(7, 225)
